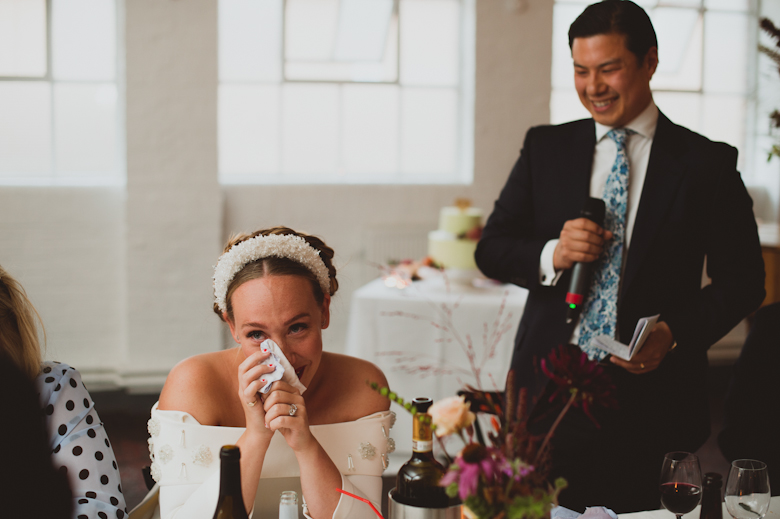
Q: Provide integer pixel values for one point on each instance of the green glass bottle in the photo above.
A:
(417, 483)
(231, 500)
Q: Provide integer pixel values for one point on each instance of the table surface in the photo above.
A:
(774, 512)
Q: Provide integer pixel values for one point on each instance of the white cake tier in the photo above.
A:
(450, 252)
(459, 221)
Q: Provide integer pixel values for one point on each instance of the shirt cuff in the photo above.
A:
(547, 274)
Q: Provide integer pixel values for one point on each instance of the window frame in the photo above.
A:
(116, 177)
(463, 170)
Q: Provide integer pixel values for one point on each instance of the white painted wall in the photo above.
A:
(173, 198)
(66, 247)
(121, 275)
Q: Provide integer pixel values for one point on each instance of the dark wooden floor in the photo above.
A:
(125, 417)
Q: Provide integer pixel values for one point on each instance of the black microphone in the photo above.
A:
(580, 274)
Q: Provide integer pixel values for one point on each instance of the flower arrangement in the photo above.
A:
(505, 475)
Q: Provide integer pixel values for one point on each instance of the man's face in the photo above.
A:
(611, 84)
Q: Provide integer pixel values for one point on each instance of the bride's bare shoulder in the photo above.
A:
(199, 386)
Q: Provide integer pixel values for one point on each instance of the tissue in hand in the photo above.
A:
(283, 370)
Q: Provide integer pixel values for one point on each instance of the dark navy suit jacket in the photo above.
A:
(693, 205)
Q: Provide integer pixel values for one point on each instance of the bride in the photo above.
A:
(273, 284)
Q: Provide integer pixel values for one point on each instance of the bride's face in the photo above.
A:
(283, 309)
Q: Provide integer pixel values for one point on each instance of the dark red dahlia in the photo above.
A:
(574, 375)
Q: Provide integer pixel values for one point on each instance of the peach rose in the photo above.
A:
(450, 415)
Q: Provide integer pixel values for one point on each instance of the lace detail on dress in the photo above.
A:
(153, 426)
(202, 456)
(166, 454)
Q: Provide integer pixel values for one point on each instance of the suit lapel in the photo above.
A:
(578, 158)
(664, 172)
(577, 164)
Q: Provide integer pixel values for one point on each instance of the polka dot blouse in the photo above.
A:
(79, 444)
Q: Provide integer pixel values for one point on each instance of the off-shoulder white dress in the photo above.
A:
(185, 464)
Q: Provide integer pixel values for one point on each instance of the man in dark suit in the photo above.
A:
(682, 200)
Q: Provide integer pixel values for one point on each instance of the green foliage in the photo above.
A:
(393, 397)
(774, 54)
(482, 508)
(538, 504)
(535, 506)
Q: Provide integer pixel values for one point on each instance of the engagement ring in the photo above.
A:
(251, 404)
(293, 409)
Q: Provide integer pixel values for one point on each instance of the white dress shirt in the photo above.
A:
(604, 154)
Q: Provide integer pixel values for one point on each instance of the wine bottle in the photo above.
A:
(417, 483)
(231, 500)
(711, 502)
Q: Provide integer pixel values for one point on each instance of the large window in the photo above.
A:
(346, 91)
(705, 77)
(59, 117)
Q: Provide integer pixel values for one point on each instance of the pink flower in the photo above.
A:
(477, 464)
(451, 415)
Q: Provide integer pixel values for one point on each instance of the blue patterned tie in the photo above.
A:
(599, 313)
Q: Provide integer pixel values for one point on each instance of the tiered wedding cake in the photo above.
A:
(453, 244)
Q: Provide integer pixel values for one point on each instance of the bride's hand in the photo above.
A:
(294, 427)
(250, 380)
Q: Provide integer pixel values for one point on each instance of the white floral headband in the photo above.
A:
(276, 245)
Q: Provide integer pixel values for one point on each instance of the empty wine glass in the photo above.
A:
(680, 482)
(747, 489)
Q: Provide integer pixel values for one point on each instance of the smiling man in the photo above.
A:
(672, 198)
(613, 83)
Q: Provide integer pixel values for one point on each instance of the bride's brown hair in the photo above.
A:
(18, 332)
(273, 266)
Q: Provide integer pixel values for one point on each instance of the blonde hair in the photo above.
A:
(273, 266)
(18, 331)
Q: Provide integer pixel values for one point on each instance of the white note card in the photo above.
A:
(626, 351)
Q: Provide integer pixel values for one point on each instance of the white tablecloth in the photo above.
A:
(774, 512)
(420, 337)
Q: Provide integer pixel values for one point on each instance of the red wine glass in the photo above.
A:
(680, 482)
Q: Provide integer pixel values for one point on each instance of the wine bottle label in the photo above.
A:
(422, 446)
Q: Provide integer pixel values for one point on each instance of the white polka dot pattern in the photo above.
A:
(80, 446)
